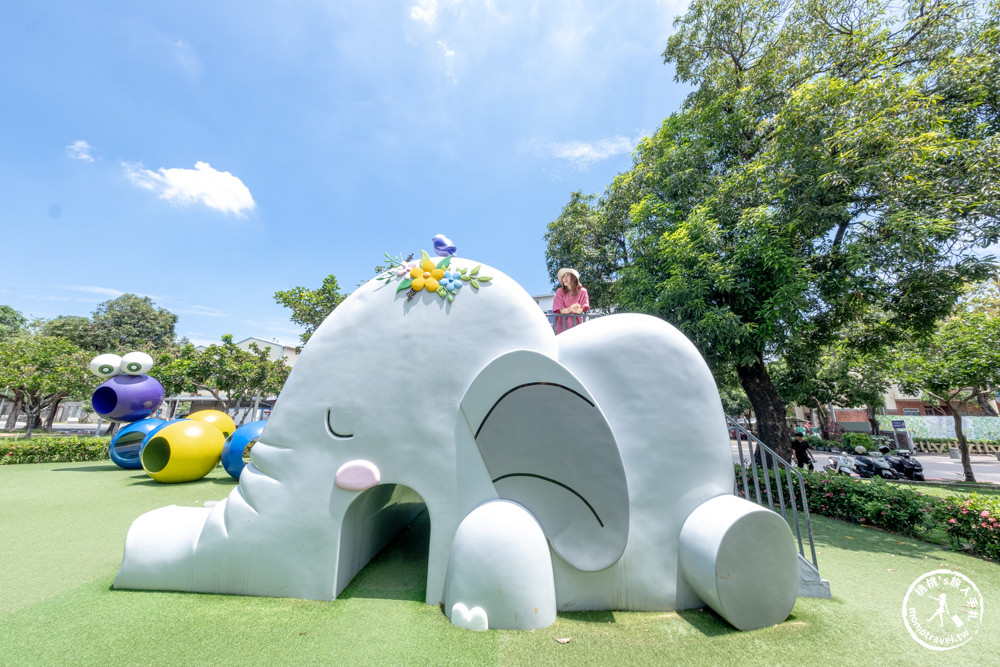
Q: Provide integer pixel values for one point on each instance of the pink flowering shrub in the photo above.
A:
(973, 524)
(875, 502)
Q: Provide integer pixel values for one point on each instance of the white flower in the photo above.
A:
(404, 269)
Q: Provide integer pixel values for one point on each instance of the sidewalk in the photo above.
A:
(64, 428)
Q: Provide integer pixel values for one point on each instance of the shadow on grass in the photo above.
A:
(709, 623)
(101, 468)
(597, 616)
(844, 535)
(146, 480)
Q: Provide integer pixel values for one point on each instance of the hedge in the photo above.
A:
(967, 524)
(47, 449)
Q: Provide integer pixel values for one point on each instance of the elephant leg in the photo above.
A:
(740, 559)
(500, 571)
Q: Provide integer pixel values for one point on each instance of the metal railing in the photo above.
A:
(569, 320)
(759, 481)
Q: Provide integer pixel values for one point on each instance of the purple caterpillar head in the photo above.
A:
(128, 394)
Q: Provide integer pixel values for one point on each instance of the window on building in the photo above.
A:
(911, 412)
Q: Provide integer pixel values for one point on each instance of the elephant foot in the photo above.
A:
(740, 559)
(500, 571)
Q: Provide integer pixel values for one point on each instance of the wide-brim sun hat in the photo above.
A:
(564, 271)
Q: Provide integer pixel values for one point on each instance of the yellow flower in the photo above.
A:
(426, 276)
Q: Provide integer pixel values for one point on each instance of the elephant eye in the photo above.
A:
(342, 429)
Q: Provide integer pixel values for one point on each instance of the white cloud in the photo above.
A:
(449, 60)
(203, 311)
(80, 150)
(203, 184)
(425, 11)
(104, 291)
(187, 59)
(580, 154)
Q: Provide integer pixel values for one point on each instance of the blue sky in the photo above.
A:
(206, 154)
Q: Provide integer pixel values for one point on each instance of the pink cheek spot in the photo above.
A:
(357, 475)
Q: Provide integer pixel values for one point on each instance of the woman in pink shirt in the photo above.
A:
(570, 299)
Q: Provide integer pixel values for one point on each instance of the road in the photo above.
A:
(936, 466)
(941, 466)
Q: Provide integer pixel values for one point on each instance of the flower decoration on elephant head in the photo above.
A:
(444, 277)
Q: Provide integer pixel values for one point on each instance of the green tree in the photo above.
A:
(841, 375)
(231, 374)
(734, 400)
(984, 297)
(812, 180)
(11, 322)
(38, 372)
(311, 306)
(78, 330)
(949, 366)
(590, 235)
(130, 322)
(173, 368)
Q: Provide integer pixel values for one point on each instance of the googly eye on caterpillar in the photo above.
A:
(106, 365)
(136, 363)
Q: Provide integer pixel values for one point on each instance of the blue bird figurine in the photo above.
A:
(443, 246)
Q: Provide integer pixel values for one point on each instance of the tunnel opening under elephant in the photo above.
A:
(387, 529)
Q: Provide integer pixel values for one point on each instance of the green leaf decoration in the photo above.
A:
(465, 278)
(424, 257)
(475, 283)
(451, 297)
(404, 285)
(485, 279)
(475, 271)
(461, 270)
(444, 263)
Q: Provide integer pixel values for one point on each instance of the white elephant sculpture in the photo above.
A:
(591, 470)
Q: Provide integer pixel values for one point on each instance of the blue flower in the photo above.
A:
(452, 281)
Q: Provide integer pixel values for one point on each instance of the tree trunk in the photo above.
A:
(768, 406)
(15, 410)
(53, 408)
(963, 444)
(29, 423)
(984, 403)
(824, 419)
(870, 414)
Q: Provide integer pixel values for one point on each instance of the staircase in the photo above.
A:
(770, 481)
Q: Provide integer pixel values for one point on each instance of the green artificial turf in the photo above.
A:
(948, 489)
(63, 527)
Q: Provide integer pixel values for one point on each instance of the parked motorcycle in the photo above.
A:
(868, 466)
(904, 464)
(842, 464)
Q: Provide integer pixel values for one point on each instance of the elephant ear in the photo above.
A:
(548, 446)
